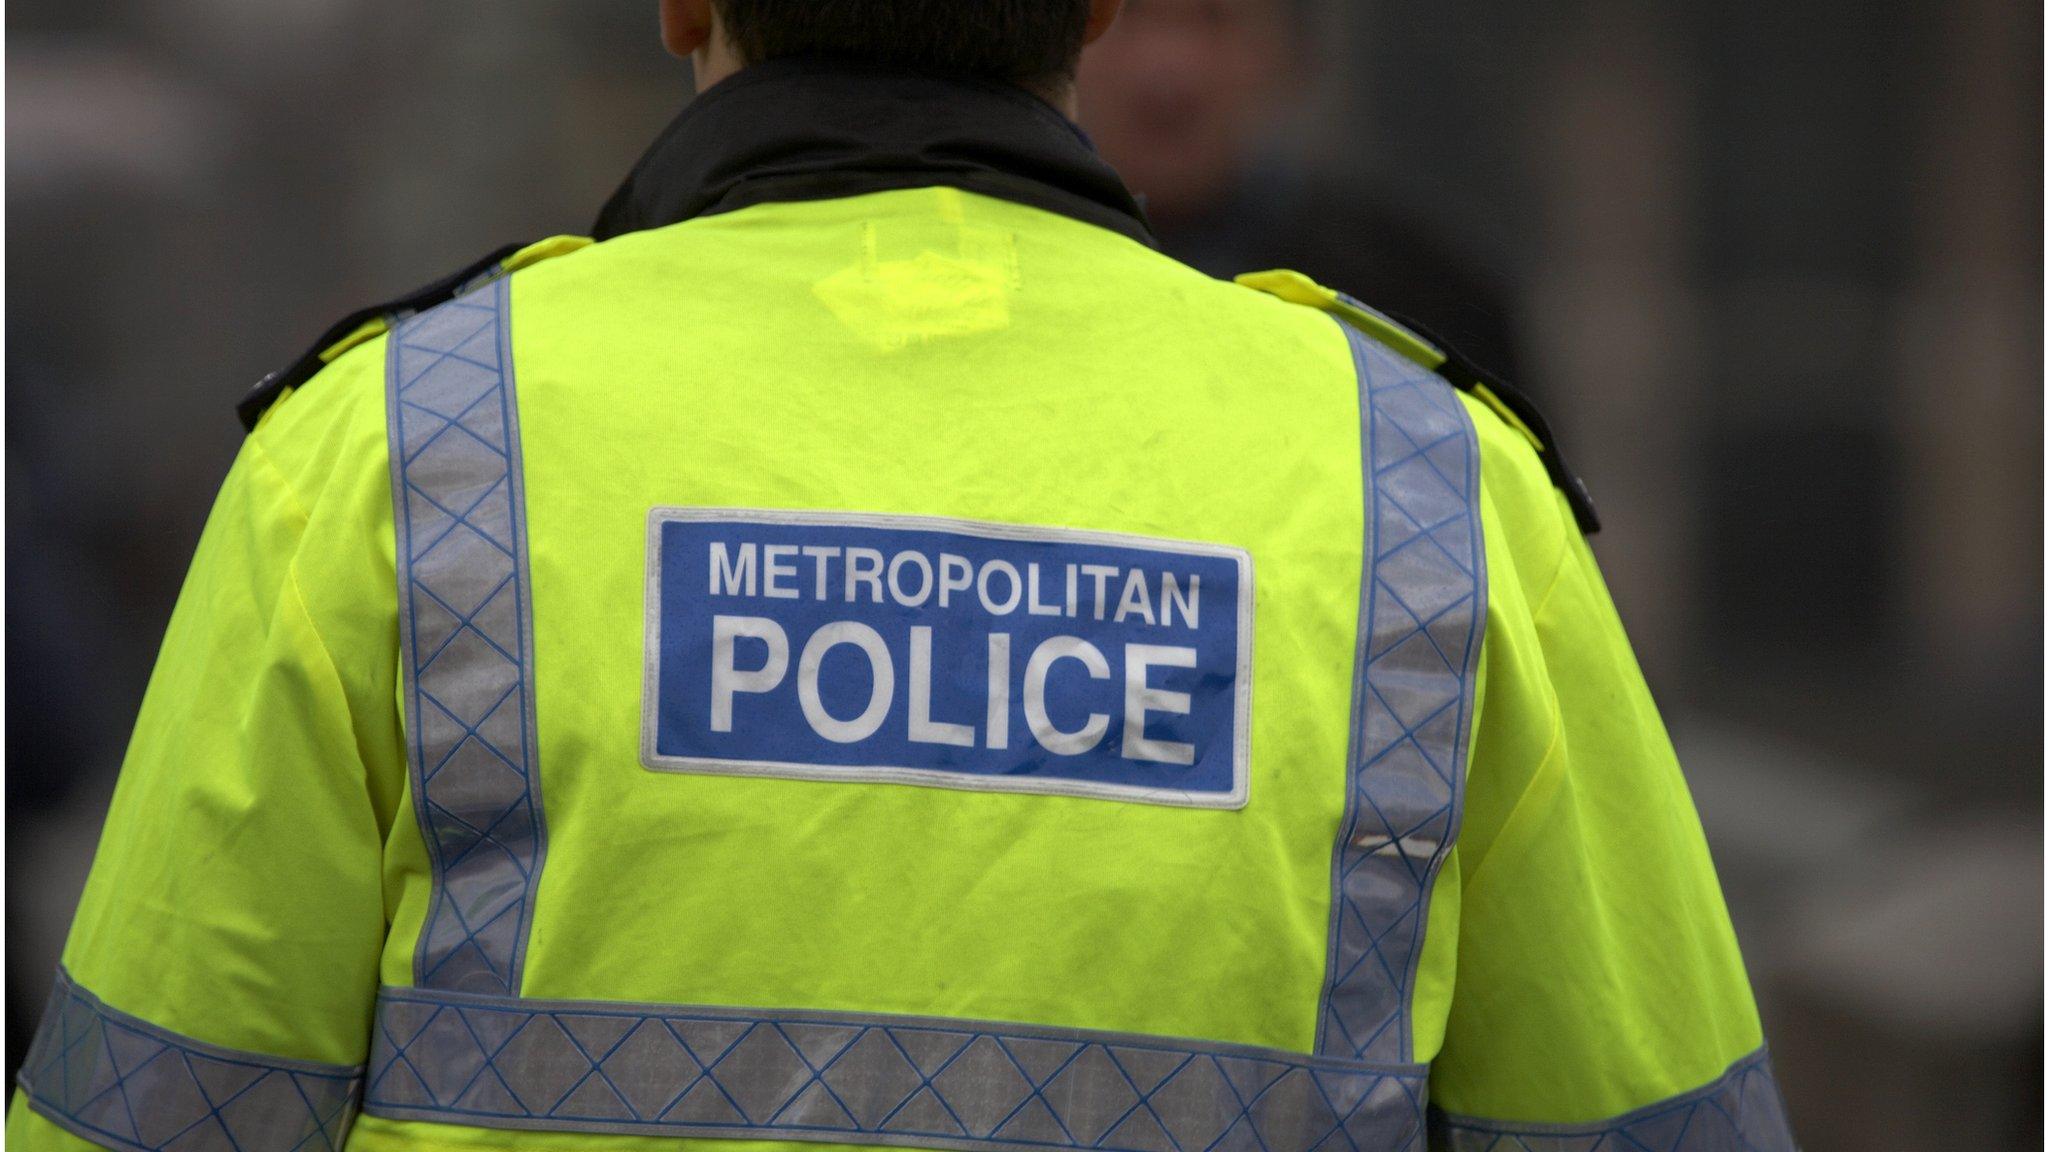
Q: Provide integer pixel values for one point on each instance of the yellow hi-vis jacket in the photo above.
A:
(893, 659)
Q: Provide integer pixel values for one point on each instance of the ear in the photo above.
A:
(685, 26)
(1101, 14)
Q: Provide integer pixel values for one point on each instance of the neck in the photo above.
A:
(712, 62)
(1059, 94)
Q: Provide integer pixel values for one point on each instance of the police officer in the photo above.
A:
(864, 650)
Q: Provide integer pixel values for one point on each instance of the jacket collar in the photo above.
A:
(812, 128)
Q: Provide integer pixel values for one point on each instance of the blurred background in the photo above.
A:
(1773, 267)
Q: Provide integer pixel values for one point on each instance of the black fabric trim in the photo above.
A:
(816, 127)
(251, 407)
(1466, 376)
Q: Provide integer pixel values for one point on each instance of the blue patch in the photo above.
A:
(917, 650)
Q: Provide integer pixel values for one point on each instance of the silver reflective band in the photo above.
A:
(466, 627)
(1740, 1112)
(1422, 606)
(856, 1078)
(122, 1082)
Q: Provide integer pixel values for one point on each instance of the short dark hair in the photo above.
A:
(1021, 41)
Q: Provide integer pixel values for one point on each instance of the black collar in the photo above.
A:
(819, 129)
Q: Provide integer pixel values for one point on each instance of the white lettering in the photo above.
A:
(823, 554)
(726, 678)
(1190, 605)
(1102, 573)
(955, 575)
(924, 587)
(739, 576)
(1136, 601)
(1033, 604)
(923, 730)
(863, 566)
(772, 571)
(1009, 570)
(881, 690)
(1140, 697)
(1054, 740)
(999, 689)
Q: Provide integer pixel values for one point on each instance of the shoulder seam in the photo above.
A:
(291, 567)
(1564, 554)
(1554, 713)
(291, 491)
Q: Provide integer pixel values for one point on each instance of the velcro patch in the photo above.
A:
(947, 653)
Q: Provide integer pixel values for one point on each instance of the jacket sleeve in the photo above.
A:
(222, 965)
(1599, 988)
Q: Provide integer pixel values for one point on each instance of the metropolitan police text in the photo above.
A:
(912, 579)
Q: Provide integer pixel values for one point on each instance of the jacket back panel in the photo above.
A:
(929, 353)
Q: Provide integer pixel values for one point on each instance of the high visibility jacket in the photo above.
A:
(873, 653)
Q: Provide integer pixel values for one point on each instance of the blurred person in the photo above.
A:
(782, 668)
(1189, 100)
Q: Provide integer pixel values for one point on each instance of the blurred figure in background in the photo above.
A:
(1189, 101)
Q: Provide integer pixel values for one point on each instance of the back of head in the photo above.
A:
(1029, 42)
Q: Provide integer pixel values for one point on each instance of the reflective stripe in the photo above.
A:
(465, 622)
(854, 1078)
(122, 1082)
(1740, 1112)
(1420, 616)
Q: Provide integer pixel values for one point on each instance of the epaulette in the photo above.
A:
(1419, 344)
(366, 323)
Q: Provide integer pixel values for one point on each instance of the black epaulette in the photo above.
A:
(267, 390)
(1469, 377)
(1424, 347)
